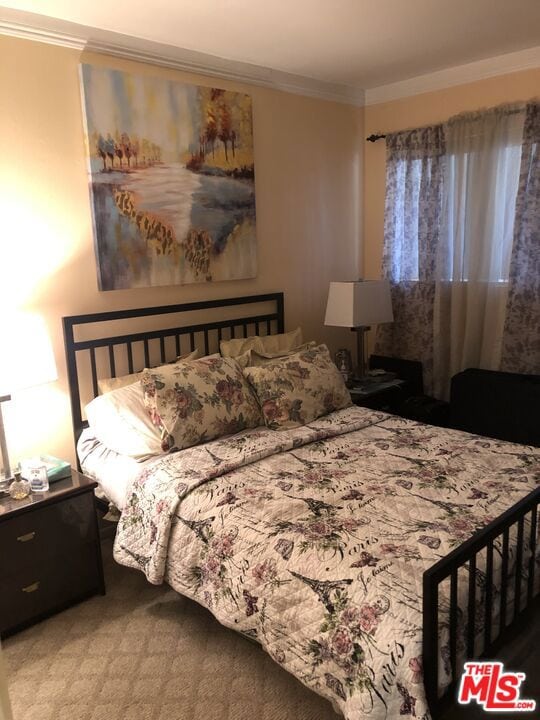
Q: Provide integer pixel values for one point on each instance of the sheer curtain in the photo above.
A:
(521, 338)
(481, 178)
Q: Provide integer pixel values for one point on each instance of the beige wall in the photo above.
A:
(414, 112)
(308, 173)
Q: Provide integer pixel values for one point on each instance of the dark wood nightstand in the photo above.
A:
(386, 396)
(50, 555)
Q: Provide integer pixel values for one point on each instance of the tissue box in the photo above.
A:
(56, 469)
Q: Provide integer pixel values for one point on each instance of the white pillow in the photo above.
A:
(121, 422)
(279, 344)
(107, 384)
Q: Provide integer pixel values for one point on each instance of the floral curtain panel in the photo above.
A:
(414, 181)
(521, 338)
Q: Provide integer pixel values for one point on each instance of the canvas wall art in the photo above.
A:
(171, 180)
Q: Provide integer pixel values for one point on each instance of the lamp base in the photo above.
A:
(5, 478)
(4, 485)
(360, 351)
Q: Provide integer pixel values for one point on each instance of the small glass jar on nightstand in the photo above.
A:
(36, 474)
(19, 488)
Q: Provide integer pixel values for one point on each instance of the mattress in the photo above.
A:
(113, 472)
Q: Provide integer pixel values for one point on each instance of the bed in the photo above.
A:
(368, 554)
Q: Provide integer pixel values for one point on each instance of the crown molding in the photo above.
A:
(210, 65)
(459, 75)
(39, 34)
(53, 31)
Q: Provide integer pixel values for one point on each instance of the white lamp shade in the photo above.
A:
(358, 304)
(27, 357)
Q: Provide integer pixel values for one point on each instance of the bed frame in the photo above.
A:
(526, 605)
(120, 349)
(111, 355)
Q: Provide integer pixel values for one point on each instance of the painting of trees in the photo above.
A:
(211, 131)
(126, 148)
(225, 130)
(227, 123)
(109, 144)
(225, 127)
(171, 180)
(125, 143)
(101, 146)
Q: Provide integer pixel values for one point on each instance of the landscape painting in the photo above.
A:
(171, 180)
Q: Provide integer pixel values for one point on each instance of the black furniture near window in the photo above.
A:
(496, 404)
(501, 405)
(51, 554)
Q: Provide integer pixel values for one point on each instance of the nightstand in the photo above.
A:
(50, 555)
(387, 396)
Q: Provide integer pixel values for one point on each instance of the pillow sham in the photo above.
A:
(107, 384)
(121, 422)
(252, 357)
(196, 401)
(297, 389)
(281, 343)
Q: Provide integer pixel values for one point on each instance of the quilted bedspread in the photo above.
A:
(313, 541)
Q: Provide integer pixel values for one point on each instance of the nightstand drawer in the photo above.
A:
(35, 592)
(35, 539)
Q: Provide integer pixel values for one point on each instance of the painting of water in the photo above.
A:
(171, 174)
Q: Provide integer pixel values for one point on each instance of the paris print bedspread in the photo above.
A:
(313, 541)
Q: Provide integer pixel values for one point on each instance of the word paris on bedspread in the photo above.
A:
(314, 541)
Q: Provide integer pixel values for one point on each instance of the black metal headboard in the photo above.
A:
(102, 355)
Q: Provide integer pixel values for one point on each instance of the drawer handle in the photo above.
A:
(31, 588)
(27, 537)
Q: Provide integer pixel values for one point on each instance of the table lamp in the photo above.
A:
(358, 305)
(27, 360)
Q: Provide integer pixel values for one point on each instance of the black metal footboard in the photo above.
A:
(513, 537)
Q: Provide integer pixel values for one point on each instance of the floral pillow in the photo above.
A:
(196, 401)
(299, 388)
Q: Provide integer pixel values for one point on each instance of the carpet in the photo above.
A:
(145, 653)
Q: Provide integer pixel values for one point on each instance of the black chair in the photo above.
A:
(497, 404)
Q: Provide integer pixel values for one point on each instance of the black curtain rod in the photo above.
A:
(374, 138)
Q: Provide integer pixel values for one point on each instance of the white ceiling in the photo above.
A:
(358, 43)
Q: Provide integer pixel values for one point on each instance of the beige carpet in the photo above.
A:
(145, 653)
